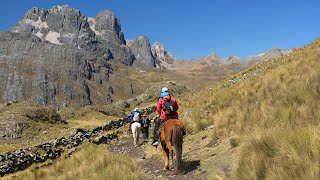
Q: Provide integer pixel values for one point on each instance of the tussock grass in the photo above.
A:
(275, 114)
(280, 153)
(90, 162)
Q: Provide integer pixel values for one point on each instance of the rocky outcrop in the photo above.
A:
(163, 58)
(142, 52)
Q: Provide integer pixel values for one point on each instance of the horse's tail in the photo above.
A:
(177, 139)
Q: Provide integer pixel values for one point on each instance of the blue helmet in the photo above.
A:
(164, 89)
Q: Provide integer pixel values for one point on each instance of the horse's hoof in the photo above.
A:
(166, 168)
(171, 168)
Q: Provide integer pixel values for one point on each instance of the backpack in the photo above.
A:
(136, 117)
(145, 122)
(170, 107)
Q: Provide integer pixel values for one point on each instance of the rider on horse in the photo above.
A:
(167, 107)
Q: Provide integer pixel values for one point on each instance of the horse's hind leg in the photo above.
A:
(135, 139)
(134, 134)
(170, 150)
(138, 134)
(166, 157)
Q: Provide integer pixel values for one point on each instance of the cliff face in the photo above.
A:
(62, 58)
(162, 56)
(32, 69)
(142, 52)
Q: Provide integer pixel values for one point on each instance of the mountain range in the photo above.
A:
(60, 57)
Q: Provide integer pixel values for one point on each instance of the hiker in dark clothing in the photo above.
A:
(145, 122)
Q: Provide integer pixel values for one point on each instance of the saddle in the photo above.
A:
(161, 126)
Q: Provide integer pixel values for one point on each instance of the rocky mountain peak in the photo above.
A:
(107, 26)
(279, 51)
(158, 46)
(160, 53)
(59, 25)
(139, 39)
(141, 49)
(234, 58)
(63, 57)
(107, 20)
(212, 56)
(62, 8)
(60, 57)
(272, 53)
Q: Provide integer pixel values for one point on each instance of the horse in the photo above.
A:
(136, 129)
(172, 135)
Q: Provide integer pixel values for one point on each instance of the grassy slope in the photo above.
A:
(33, 135)
(274, 116)
(100, 164)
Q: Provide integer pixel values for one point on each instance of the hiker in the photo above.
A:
(132, 116)
(136, 126)
(167, 108)
(145, 122)
(135, 115)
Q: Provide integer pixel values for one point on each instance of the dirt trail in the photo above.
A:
(154, 166)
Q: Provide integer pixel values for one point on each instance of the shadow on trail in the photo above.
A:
(189, 166)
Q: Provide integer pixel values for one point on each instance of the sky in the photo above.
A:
(197, 28)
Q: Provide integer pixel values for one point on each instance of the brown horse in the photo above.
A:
(172, 135)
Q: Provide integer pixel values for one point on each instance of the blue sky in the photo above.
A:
(196, 28)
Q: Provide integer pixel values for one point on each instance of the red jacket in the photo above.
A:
(161, 108)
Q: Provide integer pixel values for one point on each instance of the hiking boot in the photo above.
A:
(155, 143)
